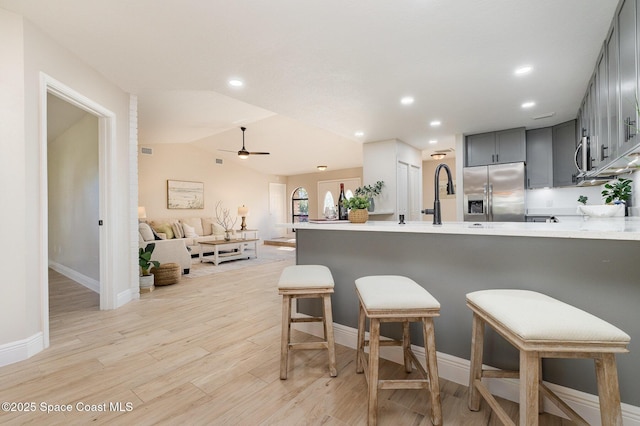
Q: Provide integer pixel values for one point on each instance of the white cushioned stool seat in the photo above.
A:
(394, 292)
(536, 316)
(399, 299)
(306, 276)
(308, 282)
(540, 327)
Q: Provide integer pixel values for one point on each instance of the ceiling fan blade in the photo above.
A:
(260, 153)
(226, 150)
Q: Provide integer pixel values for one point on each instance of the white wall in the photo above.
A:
(13, 170)
(74, 241)
(447, 203)
(25, 53)
(230, 183)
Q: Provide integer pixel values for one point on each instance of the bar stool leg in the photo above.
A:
(608, 390)
(529, 387)
(361, 330)
(285, 339)
(475, 369)
(432, 370)
(374, 354)
(406, 346)
(328, 334)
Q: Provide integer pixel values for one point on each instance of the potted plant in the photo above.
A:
(145, 262)
(223, 217)
(615, 195)
(370, 191)
(357, 206)
(618, 192)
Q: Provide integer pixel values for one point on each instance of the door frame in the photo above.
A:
(107, 193)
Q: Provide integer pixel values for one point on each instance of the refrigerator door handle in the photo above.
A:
(490, 203)
(485, 204)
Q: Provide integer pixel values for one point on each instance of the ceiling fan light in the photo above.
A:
(243, 154)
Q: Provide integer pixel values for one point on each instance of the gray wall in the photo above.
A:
(598, 276)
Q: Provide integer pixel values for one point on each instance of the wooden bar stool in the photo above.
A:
(392, 298)
(542, 327)
(306, 281)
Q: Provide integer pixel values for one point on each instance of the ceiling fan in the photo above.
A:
(243, 153)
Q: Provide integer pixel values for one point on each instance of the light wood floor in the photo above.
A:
(205, 351)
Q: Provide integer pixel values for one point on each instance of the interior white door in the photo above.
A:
(277, 209)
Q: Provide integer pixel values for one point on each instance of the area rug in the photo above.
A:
(266, 254)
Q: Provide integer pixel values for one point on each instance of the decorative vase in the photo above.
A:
(358, 215)
(372, 205)
(227, 235)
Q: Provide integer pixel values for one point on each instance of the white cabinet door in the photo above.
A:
(402, 191)
(415, 193)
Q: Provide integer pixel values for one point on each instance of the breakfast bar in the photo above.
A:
(592, 265)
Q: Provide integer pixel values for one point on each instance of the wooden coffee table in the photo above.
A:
(233, 249)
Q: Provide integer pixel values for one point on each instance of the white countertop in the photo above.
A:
(592, 228)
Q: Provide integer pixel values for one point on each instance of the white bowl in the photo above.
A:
(604, 210)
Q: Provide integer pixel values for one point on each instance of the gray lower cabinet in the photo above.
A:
(539, 158)
(505, 146)
(564, 144)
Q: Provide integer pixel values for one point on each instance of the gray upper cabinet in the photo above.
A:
(613, 92)
(564, 144)
(506, 146)
(539, 158)
(602, 119)
(628, 57)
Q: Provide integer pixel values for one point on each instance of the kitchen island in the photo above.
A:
(593, 265)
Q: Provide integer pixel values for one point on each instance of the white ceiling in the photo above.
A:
(317, 71)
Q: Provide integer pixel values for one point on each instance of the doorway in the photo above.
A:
(103, 233)
(277, 209)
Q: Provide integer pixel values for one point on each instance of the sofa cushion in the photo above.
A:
(146, 232)
(189, 232)
(164, 228)
(218, 229)
(207, 225)
(194, 222)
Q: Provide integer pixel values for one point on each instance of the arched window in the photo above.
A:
(329, 206)
(300, 206)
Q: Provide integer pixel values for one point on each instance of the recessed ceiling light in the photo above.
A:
(528, 104)
(526, 69)
(435, 123)
(407, 100)
(359, 134)
(236, 83)
(433, 141)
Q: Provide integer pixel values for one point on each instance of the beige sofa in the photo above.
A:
(179, 238)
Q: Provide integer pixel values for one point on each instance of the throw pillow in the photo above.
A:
(189, 232)
(177, 230)
(163, 228)
(146, 232)
(195, 223)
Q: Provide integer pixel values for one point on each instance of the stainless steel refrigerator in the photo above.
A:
(494, 193)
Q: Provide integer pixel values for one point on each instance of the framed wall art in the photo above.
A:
(185, 195)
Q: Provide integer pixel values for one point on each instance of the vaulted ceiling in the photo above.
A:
(316, 72)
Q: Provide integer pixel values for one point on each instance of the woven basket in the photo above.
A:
(166, 274)
(358, 216)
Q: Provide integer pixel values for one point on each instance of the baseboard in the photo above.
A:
(22, 349)
(456, 370)
(127, 296)
(76, 276)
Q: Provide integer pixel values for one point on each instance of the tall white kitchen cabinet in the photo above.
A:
(400, 167)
